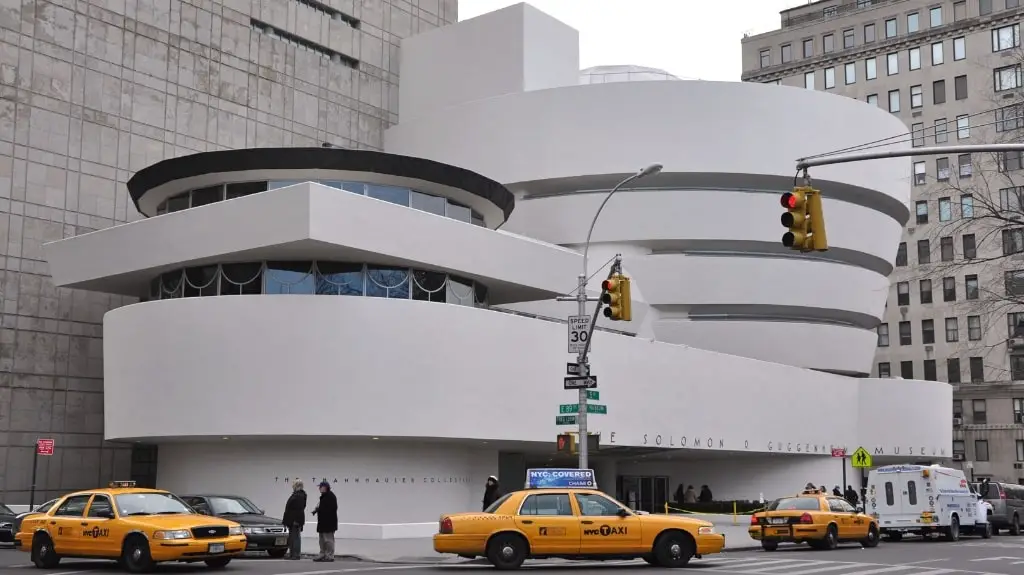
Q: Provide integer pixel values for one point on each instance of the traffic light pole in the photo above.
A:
(804, 163)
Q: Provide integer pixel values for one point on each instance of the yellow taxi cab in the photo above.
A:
(561, 514)
(137, 527)
(814, 516)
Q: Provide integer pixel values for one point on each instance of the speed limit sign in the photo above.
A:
(579, 330)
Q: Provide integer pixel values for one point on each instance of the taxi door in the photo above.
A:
(65, 525)
(851, 524)
(549, 523)
(99, 540)
(607, 527)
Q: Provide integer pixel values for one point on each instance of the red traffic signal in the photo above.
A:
(788, 201)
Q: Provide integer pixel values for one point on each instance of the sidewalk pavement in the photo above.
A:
(421, 550)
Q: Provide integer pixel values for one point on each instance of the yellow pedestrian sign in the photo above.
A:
(861, 459)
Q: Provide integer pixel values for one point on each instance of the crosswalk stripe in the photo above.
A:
(882, 570)
(820, 569)
(801, 565)
(765, 564)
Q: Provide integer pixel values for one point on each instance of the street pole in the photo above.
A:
(581, 299)
(35, 467)
(804, 163)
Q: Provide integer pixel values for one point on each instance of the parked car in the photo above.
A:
(41, 508)
(262, 533)
(6, 524)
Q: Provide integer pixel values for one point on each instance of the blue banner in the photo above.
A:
(560, 478)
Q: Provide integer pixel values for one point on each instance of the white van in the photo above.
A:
(924, 499)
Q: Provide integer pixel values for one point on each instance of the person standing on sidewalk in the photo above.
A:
(294, 518)
(326, 522)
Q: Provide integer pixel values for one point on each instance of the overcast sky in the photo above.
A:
(687, 38)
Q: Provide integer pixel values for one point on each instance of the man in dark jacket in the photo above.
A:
(294, 518)
(492, 492)
(326, 522)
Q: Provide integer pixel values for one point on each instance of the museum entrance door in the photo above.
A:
(642, 493)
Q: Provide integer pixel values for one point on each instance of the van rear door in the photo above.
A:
(887, 499)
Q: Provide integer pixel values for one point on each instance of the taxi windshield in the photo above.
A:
(129, 504)
(795, 504)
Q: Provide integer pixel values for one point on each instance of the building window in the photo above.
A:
(830, 78)
(959, 10)
(869, 33)
(927, 331)
(884, 370)
(924, 252)
(1014, 282)
(952, 330)
(901, 255)
(1016, 374)
(1009, 161)
(930, 371)
(809, 80)
(892, 64)
(965, 166)
(942, 169)
(937, 54)
(851, 73)
(970, 247)
(1020, 448)
(883, 334)
(1010, 118)
(808, 48)
(960, 87)
(971, 289)
(1011, 199)
(787, 53)
(1006, 38)
(1006, 78)
(946, 249)
(967, 207)
(1013, 241)
(902, 293)
(984, 7)
(913, 22)
(905, 334)
(916, 97)
(1018, 410)
(872, 99)
(948, 289)
(848, 40)
(935, 17)
(974, 328)
(941, 131)
(915, 58)
(958, 408)
(907, 369)
(894, 101)
(920, 177)
(890, 28)
(766, 58)
(828, 43)
(917, 135)
(925, 291)
(871, 68)
(946, 214)
(958, 444)
(939, 93)
(977, 368)
(953, 370)
(959, 48)
(963, 127)
(980, 446)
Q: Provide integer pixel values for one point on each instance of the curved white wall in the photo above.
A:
(364, 367)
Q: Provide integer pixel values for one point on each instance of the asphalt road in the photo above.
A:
(997, 556)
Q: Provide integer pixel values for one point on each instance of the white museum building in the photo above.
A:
(388, 321)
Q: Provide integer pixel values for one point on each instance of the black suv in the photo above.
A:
(261, 532)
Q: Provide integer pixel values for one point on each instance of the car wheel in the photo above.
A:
(673, 549)
(218, 563)
(507, 551)
(650, 560)
(1015, 525)
(277, 553)
(769, 545)
(986, 532)
(831, 540)
(43, 555)
(872, 538)
(135, 556)
(953, 531)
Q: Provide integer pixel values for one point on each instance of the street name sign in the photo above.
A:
(838, 452)
(588, 382)
(860, 459)
(579, 329)
(575, 408)
(565, 420)
(593, 395)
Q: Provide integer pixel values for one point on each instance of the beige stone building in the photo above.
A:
(92, 91)
(951, 70)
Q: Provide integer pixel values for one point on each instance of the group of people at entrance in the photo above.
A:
(326, 513)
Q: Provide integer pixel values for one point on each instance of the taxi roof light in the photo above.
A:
(121, 484)
(559, 478)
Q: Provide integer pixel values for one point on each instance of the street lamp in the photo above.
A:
(581, 299)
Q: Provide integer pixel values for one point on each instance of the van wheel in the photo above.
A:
(831, 540)
(953, 531)
(769, 545)
(986, 532)
(507, 551)
(43, 555)
(872, 538)
(1015, 525)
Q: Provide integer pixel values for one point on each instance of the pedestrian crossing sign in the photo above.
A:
(860, 459)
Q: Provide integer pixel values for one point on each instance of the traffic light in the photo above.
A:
(805, 220)
(567, 443)
(615, 295)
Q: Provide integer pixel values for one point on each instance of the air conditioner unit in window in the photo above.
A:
(1015, 343)
(958, 457)
(958, 421)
